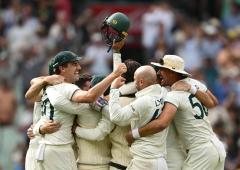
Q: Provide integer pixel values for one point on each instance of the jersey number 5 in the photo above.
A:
(198, 105)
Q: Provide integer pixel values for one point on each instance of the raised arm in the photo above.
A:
(96, 91)
(117, 46)
(37, 84)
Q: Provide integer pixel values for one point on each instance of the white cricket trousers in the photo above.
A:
(30, 161)
(206, 157)
(58, 157)
(175, 158)
(149, 164)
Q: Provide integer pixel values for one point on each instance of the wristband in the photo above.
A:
(193, 90)
(135, 133)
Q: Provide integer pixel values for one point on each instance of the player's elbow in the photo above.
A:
(30, 97)
(215, 102)
(27, 96)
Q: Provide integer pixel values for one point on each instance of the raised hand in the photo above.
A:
(121, 68)
(118, 82)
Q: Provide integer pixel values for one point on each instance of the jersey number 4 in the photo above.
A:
(198, 105)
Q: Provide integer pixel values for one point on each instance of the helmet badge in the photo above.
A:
(114, 21)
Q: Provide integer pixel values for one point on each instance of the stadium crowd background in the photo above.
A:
(205, 34)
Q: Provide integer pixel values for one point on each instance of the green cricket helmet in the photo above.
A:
(115, 27)
(60, 59)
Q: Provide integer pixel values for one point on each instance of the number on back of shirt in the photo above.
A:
(46, 107)
(199, 108)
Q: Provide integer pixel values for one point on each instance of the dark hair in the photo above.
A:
(132, 66)
(83, 78)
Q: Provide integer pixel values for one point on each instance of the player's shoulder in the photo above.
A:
(66, 85)
(66, 89)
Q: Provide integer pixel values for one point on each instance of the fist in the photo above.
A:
(121, 68)
(118, 82)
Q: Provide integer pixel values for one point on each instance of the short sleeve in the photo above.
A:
(198, 84)
(202, 86)
(174, 97)
(66, 89)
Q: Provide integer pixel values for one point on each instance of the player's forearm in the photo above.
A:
(214, 99)
(152, 128)
(34, 91)
(162, 122)
(100, 88)
(117, 113)
(116, 59)
(205, 99)
(90, 134)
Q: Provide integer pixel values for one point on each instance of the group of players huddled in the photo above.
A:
(151, 117)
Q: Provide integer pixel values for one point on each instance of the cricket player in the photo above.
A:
(49, 127)
(190, 117)
(148, 152)
(121, 155)
(94, 155)
(57, 146)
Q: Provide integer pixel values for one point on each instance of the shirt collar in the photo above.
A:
(150, 90)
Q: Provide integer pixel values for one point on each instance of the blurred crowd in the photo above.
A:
(31, 32)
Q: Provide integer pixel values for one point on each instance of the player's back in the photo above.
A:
(191, 119)
(152, 146)
(91, 152)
